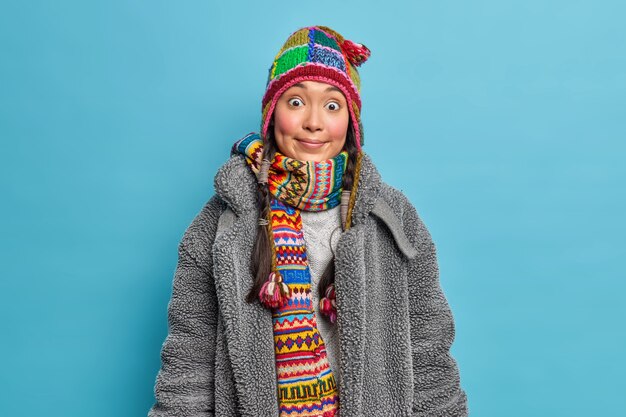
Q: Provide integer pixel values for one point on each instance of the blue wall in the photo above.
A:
(504, 122)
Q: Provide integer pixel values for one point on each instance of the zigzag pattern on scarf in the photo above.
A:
(309, 185)
(306, 384)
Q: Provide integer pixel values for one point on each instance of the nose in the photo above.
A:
(313, 120)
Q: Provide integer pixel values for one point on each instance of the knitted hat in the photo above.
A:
(317, 53)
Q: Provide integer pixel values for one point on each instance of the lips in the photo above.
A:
(310, 142)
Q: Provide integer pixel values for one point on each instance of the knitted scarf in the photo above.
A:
(306, 384)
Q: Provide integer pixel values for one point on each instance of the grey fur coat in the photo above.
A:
(394, 323)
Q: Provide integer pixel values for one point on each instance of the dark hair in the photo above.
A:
(261, 262)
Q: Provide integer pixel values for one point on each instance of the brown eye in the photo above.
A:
(295, 102)
(333, 106)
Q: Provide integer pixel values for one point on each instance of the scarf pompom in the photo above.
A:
(274, 292)
(328, 304)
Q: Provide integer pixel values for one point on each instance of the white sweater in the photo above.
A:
(322, 229)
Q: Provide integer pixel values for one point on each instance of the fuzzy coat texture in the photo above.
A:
(394, 322)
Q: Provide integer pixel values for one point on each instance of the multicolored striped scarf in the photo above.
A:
(306, 384)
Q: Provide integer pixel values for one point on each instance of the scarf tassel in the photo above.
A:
(274, 292)
(328, 304)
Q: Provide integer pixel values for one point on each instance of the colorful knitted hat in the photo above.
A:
(317, 53)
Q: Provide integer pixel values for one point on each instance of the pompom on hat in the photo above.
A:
(317, 53)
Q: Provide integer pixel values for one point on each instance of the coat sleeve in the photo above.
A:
(185, 382)
(436, 381)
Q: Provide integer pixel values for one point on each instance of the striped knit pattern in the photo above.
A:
(306, 384)
(307, 185)
(317, 53)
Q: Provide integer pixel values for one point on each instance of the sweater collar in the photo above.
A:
(236, 185)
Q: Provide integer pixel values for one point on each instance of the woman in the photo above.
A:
(307, 286)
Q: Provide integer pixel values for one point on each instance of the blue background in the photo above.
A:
(503, 121)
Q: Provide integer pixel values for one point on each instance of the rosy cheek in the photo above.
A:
(338, 128)
(286, 124)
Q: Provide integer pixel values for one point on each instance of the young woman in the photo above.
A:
(307, 286)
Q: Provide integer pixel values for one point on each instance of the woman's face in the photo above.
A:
(311, 121)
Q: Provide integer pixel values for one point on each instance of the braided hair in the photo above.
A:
(262, 252)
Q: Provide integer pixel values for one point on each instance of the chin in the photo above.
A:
(296, 150)
(327, 152)
(313, 156)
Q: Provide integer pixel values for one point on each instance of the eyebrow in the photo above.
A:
(331, 88)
